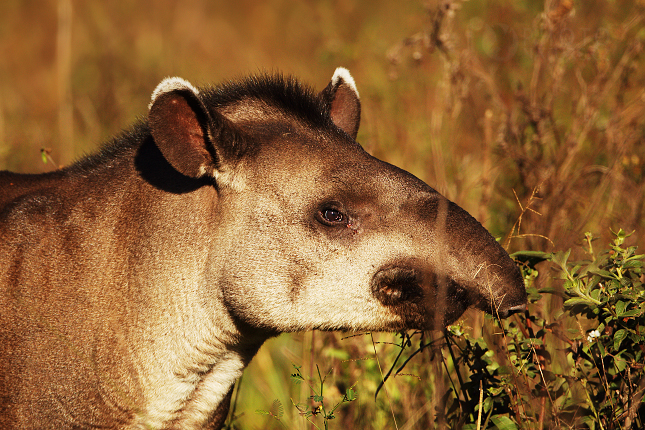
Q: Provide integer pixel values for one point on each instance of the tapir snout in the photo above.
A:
(458, 265)
(479, 269)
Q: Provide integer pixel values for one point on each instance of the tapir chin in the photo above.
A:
(137, 283)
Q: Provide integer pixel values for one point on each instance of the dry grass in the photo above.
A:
(507, 108)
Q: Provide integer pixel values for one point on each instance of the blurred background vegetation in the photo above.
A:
(530, 115)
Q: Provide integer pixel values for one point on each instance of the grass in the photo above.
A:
(523, 110)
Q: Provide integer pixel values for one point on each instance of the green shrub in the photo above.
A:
(598, 381)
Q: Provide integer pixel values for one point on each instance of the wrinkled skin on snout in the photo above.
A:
(137, 284)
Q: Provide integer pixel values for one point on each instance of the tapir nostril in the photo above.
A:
(394, 285)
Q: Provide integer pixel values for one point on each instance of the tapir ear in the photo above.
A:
(194, 141)
(178, 123)
(344, 102)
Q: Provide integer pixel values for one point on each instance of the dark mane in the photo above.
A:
(119, 146)
(282, 92)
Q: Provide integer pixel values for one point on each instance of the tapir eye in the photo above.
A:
(331, 216)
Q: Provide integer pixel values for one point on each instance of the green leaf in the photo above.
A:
(317, 398)
(503, 422)
(505, 370)
(560, 258)
(620, 236)
(632, 313)
(620, 307)
(533, 295)
(350, 395)
(601, 348)
(489, 402)
(277, 410)
(590, 421)
(619, 336)
(577, 301)
(633, 263)
(620, 363)
(531, 257)
(602, 273)
(595, 294)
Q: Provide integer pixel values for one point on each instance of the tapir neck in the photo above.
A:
(189, 344)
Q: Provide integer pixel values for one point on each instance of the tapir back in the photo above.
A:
(56, 272)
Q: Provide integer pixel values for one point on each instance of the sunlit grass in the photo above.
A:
(551, 92)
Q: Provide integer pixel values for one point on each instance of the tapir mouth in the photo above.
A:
(500, 305)
(517, 309)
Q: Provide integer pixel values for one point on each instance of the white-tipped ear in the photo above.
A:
(341, 97)
(179, 124)
(193, 140)
(342, 75)
(172, 84)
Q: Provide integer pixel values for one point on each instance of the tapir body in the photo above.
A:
(136, 284)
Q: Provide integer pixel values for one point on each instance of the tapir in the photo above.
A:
(137, 283)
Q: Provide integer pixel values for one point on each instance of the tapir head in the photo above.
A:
(309, 231)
